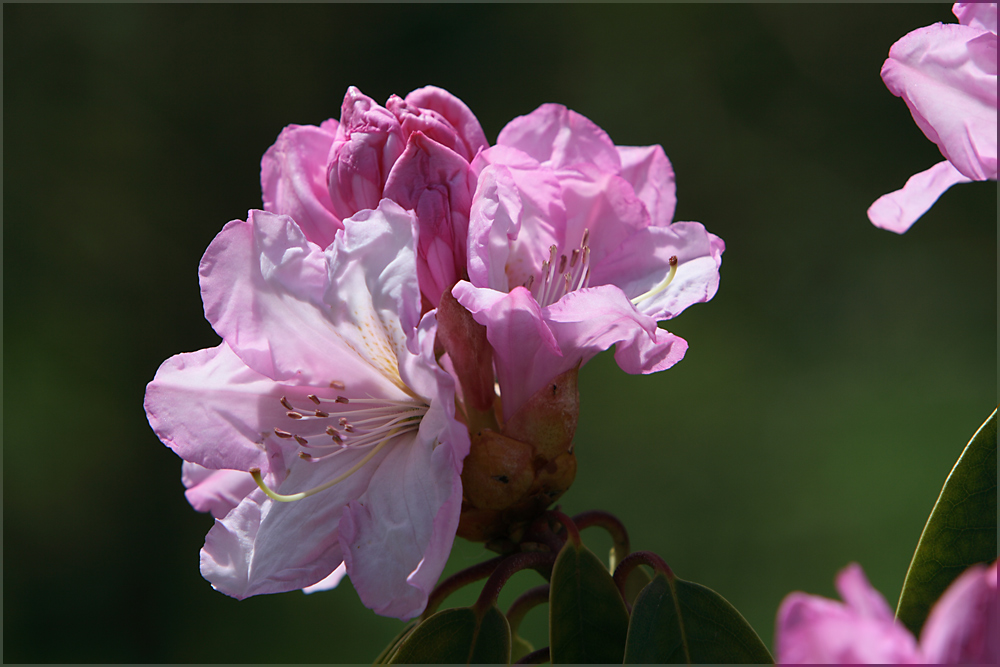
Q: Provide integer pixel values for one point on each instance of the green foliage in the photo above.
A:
(961, 530)
(676, 621)
(458, 636)
(588, 622)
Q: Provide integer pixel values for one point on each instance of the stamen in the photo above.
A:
(258, 478)
(321, 414)
(660, 287)
(529, 282)
(342, 399)
(302, 441)
(338, 385)
(562, 264)
(286, 404)
(574, 257)
(282, 434)
(295, 415)
(313, 398)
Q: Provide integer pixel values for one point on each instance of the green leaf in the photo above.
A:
(387, 653)
(677, 621)
(458, 636)
(961, 530)
(588, 622)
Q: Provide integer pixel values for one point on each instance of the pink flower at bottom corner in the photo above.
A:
(947, 75)
(962, 627)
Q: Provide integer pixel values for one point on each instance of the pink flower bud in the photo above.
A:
(440, 116)
(369, 141)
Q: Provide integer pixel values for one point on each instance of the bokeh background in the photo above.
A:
(828, 389)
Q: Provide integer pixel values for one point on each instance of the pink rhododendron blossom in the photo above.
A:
(947, 74)
(324, 394)
(962, 626)
(572, 250)
(415, 150)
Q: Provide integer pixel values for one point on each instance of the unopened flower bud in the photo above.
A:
(511, 477)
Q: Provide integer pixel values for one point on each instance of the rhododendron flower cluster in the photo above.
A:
(410, 294)
(947, 74)
(963, 627)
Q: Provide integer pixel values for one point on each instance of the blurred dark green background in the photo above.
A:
(828, 389)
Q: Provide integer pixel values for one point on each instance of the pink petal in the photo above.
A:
(947, 74)
(434, 182)
(591, 320)
(897, 211)
(293, 179)
(558, 137)
(649, 172)
(861, 598)
(213, 410)
(642, 262)
(815, 630)
(494, 222)
(398, 534)
(982, 15)
(215, 491)
(331, 581)
(264, 546)
(964, 626)
(442, 117)
(540, 224)
(525, 352)
(602, 203)
(373, 301)
(368, 143)
(264, 284)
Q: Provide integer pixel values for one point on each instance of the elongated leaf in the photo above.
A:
(677, 621)
(390, 650)
(961, 530)
(588, 622)
(457, 636)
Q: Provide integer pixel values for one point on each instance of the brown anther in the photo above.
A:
(343, 422)
(284, 402)
(321, 414)
(282, 434)
(530, 281)
(673, 260)
(299, 439)
(303, 455)
(562, 263)
(586, 237)
(313, 398)
(348, 428)
(337, 384)
(294, 415)
(331, 431)
(574, 258)
(343, 399)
